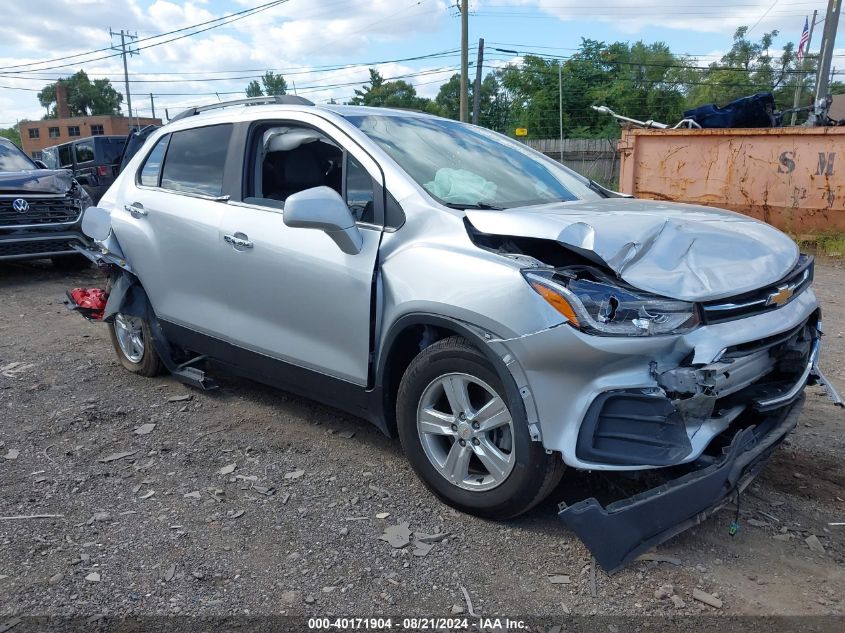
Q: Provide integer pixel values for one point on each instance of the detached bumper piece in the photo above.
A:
(624, 529)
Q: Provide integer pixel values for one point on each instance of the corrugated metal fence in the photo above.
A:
(593, 158)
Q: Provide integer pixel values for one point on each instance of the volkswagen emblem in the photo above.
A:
(20, 205)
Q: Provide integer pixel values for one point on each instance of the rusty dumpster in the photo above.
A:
(793, 178)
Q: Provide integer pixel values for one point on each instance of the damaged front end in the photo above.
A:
(684, 395)
(713, 427)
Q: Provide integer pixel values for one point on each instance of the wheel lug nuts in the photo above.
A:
(475, 441)
(463, 442)
(454, 427)
(462, 416)
(476, 425)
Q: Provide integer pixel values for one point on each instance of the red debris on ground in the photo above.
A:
(90, 301)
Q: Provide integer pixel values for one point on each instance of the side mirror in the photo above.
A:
(40, 164)
(322, 208)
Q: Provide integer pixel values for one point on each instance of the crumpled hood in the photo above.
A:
(682, 251)
(37, 181)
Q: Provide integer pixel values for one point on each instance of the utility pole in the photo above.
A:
(476, 93)
(464, 57)
(831, 23)
(124, 35)
(152, 105)
(560, 104)
(800, 85)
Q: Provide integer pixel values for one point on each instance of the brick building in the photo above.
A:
(36, 135)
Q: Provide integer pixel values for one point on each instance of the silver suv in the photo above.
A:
(504, 316)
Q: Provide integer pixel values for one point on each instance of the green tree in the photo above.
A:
(85, 97)
(254, 89)
(748, 68)
(12, 133)
(391, 94)
(272, 83)
(493, 106)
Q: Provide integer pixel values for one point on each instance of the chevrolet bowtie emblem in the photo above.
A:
(781, 297)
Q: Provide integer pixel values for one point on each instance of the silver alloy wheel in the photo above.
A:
(466, 431)
(130, 337)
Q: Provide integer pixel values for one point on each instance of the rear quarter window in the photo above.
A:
(195, 160)
(85, 152)
(151, 170)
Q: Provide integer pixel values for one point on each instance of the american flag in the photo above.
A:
(805, 38)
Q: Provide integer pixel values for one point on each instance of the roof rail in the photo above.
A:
(277, 99)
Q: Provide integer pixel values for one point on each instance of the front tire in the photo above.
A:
(133, 344)
(457, 430)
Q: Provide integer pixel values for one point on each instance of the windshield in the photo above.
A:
(13, 159)
(463, 165)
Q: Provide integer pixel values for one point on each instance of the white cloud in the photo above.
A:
(632, 16)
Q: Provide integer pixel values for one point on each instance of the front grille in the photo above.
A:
(34, 247)
(40, 211)
(763, 300)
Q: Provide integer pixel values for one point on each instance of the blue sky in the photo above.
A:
(310, 39)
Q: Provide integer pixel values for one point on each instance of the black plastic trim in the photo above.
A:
(632, 429)
(617, 534)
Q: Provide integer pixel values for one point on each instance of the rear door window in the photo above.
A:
(65, 157)
(151, 170)
(85, 152)
(195, 160)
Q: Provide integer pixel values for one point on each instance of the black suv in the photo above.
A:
(40, 210)
(94, 161)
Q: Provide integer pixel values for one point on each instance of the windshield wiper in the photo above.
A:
(607, 193)
(476, 205)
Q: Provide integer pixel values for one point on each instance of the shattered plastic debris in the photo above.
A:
(12, 454)
(116, 456)
(706, 598)
(145, 429)
(227, 470)
(559, 579)
(294, 474)
(397, 535)
(814, 544)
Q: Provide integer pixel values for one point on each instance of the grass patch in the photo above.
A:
(829, 243)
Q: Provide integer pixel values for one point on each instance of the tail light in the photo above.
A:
(102, 170)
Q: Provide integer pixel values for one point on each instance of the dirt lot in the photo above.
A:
(295, 527)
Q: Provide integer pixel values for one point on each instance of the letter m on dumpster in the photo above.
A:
(825, 167)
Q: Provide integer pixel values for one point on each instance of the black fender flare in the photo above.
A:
(474, 334)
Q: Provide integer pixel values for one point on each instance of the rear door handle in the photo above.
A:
(238, 240)
(136, 209)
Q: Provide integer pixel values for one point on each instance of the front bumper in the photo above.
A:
(46, 242)
(616, 534)
(708, 377)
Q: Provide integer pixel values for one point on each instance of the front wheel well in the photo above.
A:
(405, 346)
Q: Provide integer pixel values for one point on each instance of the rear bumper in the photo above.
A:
(616, 534)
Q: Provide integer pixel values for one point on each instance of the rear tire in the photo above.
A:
(498, 472)
(133, 344)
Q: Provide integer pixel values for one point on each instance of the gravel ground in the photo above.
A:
(295, 526)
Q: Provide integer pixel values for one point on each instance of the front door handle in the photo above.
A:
(238, 240)
(136, 209)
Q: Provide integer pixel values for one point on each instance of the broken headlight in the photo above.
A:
(604, 308)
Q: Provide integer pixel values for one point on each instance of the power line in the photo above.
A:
(233, 17)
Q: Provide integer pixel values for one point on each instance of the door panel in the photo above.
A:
(296, 296)
(174, 248)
